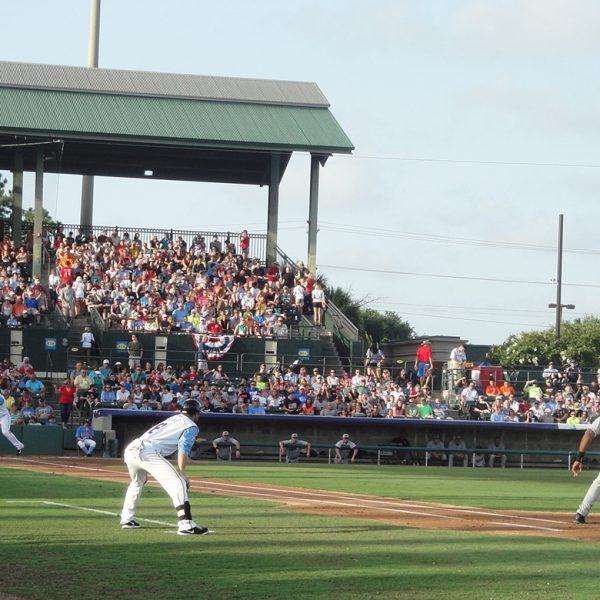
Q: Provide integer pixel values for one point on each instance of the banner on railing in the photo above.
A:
(215, 346)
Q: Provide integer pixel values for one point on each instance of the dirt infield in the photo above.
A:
(424, 515)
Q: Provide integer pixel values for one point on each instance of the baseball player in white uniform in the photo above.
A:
(5, 426)
(593, 492)
(146, 455)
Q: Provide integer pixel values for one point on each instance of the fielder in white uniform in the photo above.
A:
(593, 492)
(5, 426)
(146, 455)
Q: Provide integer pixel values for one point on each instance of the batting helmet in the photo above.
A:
(191, 407)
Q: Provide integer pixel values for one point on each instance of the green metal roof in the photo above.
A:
(196, 122)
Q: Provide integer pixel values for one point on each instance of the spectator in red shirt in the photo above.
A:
(214, 328)
(424, 361)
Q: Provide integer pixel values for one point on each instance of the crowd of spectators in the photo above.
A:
(296, 391)
(560, 396)
(25, 395)
(23, 300)
(168, 285)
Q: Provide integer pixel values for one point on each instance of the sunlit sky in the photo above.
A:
(475, 125)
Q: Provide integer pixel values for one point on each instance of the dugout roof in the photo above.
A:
(182, 127)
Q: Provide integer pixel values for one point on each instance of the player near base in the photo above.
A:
(593, 492)
(146, 455)
(5, 426)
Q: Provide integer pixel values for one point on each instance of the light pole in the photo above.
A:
(558, 305)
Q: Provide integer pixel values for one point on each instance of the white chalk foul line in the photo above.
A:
(87, 509)
(378, 501)
(346, 504)
(523, 526)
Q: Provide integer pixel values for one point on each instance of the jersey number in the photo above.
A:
(157, 427)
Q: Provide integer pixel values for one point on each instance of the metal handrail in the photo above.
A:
(258, 241)
(340, 324)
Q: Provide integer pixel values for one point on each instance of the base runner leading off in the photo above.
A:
(146, 455)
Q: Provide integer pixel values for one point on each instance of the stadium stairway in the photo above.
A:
(77, 328)
(330, 354)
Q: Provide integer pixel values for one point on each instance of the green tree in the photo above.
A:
(6, 202)
(580, 340)
(374, 325)
(29, 215)
(5, 199)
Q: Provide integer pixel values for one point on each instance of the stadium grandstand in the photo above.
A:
(136, 319)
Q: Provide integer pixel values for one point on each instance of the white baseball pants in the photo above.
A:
(142, 461)
(87, 446)
(590, 498)
(5, 426)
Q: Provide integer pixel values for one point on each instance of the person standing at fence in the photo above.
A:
(424, 362)
(5, 425)
(345, 450)
(135, 351)
(458, 360)
(293, 447)
(593, 492)
(66, 400)
(224, 446)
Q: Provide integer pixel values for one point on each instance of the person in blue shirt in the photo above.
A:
(84, 436)
(256, 408)
(34, 385)
(108, 395)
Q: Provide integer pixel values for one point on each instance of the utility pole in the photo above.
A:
(87, 182)
(558, 305)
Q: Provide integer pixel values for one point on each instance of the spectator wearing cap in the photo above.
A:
(280, 328)
(105, 369)
(345, 450)
(256, 408)
(223, 446)
(547, 416)
(293, 448)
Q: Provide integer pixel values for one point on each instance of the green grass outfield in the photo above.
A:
(261, 551)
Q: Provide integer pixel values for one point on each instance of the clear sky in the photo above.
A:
(437, 97)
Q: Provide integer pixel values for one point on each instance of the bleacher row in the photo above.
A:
(171, 285)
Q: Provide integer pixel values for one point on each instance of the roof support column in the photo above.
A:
(38, 213)
(313, 210)
(273, 208)
(17, 196)
(87, 183)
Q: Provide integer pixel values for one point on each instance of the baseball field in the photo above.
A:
(296, 531)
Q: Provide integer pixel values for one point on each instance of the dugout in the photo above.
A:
(323, 431)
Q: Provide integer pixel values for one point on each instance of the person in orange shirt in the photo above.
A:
(506, 389)
(492, 389)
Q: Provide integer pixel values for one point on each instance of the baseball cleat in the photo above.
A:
(130, 525)
(19, 451)
(193, 531)
(579, 518)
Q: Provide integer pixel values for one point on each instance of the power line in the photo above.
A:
(461, 277)
(509, 163)
(412, 274)
(409, 235)
(451, 318)
(470, 308)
